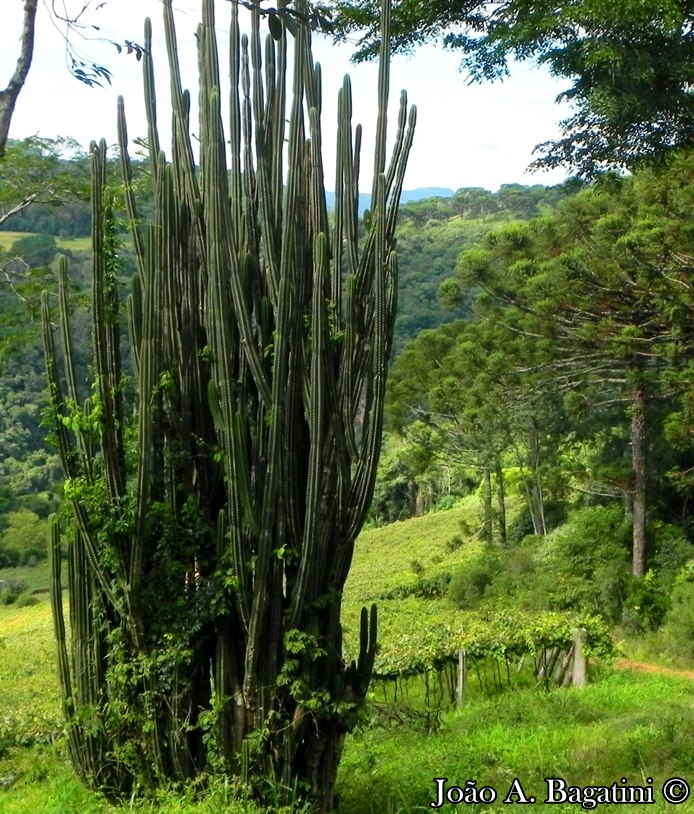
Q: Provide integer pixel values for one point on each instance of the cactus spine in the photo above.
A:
(216, 513)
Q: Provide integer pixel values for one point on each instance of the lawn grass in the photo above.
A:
(29, 695)
(623, 724)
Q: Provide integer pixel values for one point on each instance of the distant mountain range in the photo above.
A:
(408, 195)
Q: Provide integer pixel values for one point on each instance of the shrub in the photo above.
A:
(9, 557)
(35, 250)
(25, 600)
(672, 551)
(516, 578)
(470, 583)
(645, 605)
(584, 564)
(443, 504)
(522, 525)
(454, 543)
(11, 590)
(678, 628)
(520, 528)
(423, 588)
(25, 534)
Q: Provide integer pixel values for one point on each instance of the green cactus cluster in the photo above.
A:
(219, 479)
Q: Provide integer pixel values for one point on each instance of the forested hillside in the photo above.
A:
(541, 354)
(432, 233)
(570, 384)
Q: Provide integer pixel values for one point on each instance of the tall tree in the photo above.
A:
(38, 170)
(463, 381)
(216, 514)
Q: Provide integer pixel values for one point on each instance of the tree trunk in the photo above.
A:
(534, 489)
(638, 457)
(500, 501)
(8, 97)
(487, 521)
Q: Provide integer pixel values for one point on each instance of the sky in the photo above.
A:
(466, 136)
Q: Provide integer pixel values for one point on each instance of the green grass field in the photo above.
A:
(623, 725)
(75, 244)
(8, 238)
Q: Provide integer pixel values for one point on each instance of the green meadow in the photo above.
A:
(624, 724)
(75, 244)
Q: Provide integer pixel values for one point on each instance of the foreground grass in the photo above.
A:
(622, 725)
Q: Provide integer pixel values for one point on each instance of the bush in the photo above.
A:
(645, 605)
(35, 250)
(11, 590)
(454, 543)
(678, 628)
(520, 528)
(25, 534)
(9, 557)
(470, 583)
(423, 588)
(522, 525)
(585, 564)
(672, 551)
(516, 578)
(25, 600)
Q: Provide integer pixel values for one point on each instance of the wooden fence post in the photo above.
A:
(462, 678)
(580, 660)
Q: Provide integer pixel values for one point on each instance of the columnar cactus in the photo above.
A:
(216, 511)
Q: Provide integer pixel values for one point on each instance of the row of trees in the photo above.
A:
(576, 367)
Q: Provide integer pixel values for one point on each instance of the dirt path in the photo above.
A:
(643, 667)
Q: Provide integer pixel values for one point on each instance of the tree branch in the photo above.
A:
(8, 97)
(18, 208)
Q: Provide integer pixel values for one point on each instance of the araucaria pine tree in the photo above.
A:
(218, 490)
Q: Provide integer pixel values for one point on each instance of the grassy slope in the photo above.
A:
(384, 557)
(29, 697)
(396, 556)
(623, 724)
(34, 578)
